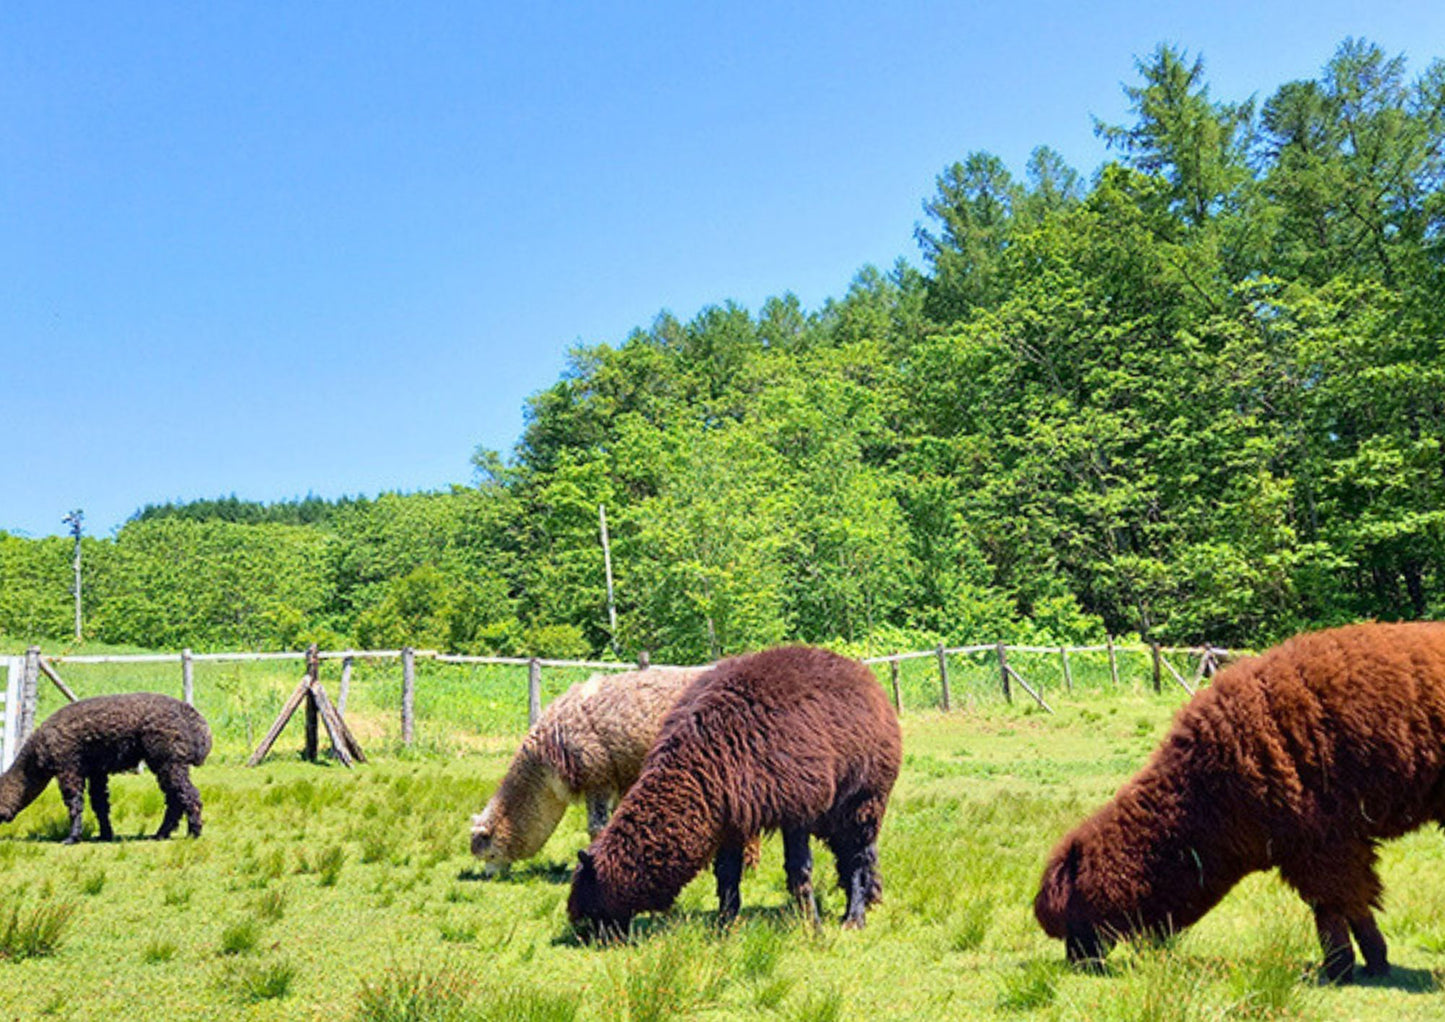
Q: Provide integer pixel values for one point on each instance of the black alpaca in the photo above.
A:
(87, 741)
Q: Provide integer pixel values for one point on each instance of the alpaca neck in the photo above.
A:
(1186, 849)
(663, 834)
(527, 806)
(21, 785)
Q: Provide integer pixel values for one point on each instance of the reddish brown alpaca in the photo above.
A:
(1303, 758)
(793, 739)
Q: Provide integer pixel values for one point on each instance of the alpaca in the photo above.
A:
(88, 740)
(795, 739)
(1303, 758)
(589, 744)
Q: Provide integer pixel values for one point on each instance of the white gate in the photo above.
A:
(15, 670)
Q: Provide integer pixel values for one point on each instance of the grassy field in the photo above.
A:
(318, 892)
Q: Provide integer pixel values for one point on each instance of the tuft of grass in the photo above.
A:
(458, 932)
(329, 865)
(1269, 983)
(970, 924)
(675, 974)
(240, 937)
(176, 896)
(94, 883)
(824, 1006)
(158, 951)
(760, 949)
(768, 995)
(524, 1003)
(254, 982)
(415, 995)
(377, 846)
(35, 933)
(271, 906)
(1030, 988)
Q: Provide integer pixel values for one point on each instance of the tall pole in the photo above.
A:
(74, 520)
(607, 561)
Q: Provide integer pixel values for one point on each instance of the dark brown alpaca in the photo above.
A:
(1303, 758)
(793, 739)
(89, 740)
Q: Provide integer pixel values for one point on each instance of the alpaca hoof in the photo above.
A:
(1376, 971)
(70, 841)
(853, 924)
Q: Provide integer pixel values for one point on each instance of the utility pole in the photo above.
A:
(607, 560)
(74, 520)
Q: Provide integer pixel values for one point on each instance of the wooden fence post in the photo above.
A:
(943, 678)
(534, 691)
(1003, 672)
(1158, 681)
(408, 693)
(29, 695)
(897, 692)
(1113, 661)
(1068, 675)
(345, 686)
(313, 670)
(644, 660)
(188, 678)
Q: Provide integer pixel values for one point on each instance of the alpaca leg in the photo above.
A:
(72, 791)
(1334, 934)
(855, 846)
(1372, 943)
(1342, 887)
(798, 864)
(856, 875)
(182, 798)
(599, 808)
(728, 868)
(100, 804)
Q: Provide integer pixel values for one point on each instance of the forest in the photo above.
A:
(1197, 396)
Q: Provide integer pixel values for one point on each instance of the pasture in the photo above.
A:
(321, 892)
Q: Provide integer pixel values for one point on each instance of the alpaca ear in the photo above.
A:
(585, 858)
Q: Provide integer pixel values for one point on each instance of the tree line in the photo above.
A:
(1199, 396)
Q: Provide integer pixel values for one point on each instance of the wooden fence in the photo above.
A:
(26, 672)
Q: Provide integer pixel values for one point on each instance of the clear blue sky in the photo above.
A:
(329, 247)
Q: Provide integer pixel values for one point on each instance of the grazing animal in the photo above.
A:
(795, 739)
(87, 741)
(1303, 758)
(589, 743)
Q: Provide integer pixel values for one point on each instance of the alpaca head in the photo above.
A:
(20, 785)
(1099, 889)
(521, 816)
(588, 908)
(1066, 911)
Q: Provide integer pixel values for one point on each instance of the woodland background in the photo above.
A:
(1200, 397)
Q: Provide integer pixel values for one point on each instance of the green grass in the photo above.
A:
(322, 892)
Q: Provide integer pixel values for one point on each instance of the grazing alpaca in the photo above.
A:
(87, 741)
(589, 743)
(1303, 758)
(793, 739)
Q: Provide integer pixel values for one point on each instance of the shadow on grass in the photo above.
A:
(651, 927)
(1411, 981)
(548, 873)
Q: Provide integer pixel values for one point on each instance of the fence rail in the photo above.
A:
(971, 663)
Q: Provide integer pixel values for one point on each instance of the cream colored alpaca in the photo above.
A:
(589, 743)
